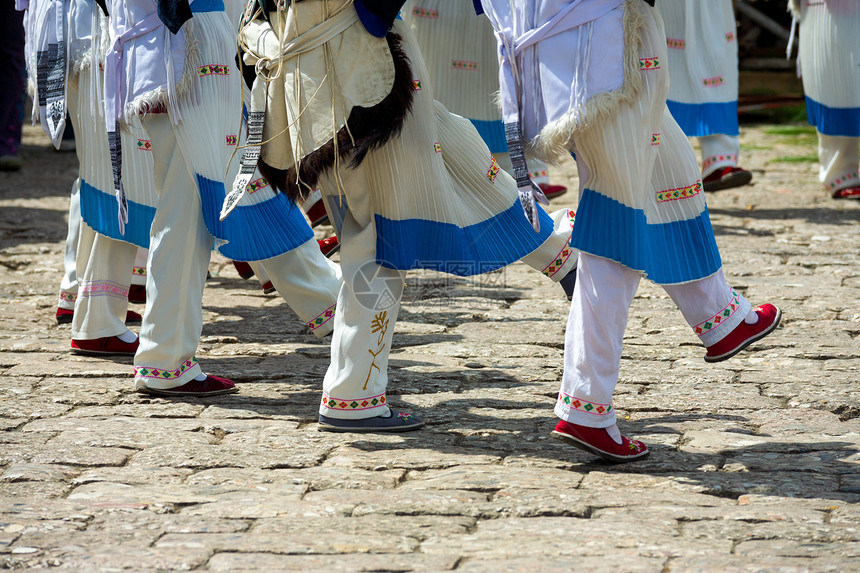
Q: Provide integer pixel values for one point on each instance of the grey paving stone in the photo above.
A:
(327, 563)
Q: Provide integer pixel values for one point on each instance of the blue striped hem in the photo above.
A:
(701, 119)
(201, 6)
(253, 232)
(99, 211)
(836, 121)
(493, 134)
(406, 244)
(668, 253)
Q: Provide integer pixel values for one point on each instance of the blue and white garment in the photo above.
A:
(642, 202)
(702, 58)
(149, 69)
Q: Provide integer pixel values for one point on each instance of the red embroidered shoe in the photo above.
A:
(268, 287)
(137, 294)
(726, 178)
(211, 386)
(244, 269)
(317, 214)
(745, 334)
(598, 442)
(849, 193)
(329, 246)
(552, 191)
(107, 346)
(65, 316)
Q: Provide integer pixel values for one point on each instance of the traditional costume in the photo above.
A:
(589, 76)
(459, 50)
(829, 52)
(702, 59)
(344, 104)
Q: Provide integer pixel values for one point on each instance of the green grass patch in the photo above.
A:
(753, 147)
(791, 130)
(811, 158)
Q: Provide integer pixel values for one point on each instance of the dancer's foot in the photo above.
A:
(727, 178)
(394, 422)
(552, 191)
(137, 294)
(568, 283)
(745, 334)
(328, 246)
(65, 316)
(107, 346)
(849, 193)
(244, 269)
(209, 386)
(599, 442)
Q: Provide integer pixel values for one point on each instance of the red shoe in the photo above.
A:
(329, 246)
(132, 317)
(552, 191)
(211, 386)
(244, 269)
(109, 345)
(137, 294)
(727, 178)
(268, 287)
(745, 334)
(65, 316)
(317, 214)
(598, 442)
(849, 193)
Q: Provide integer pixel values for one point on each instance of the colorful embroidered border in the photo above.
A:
(493, 172)
(213, 69)
(676, 44)
(353, 405)
(679, 193)
(89, 289)
(162, 374)
(464, 65)
(232, 140)
(561, 258)
(144, 145)
(68, 296)
(580, 405)
(257, 184)
(416, 85)
(536, 174)
(138, 271)
(842, 179)
(323, 318)
(708, 325)
(425, 13)
(718, 159)
(656, 138)
(438, 147)
(714, 81)
(730, 36)
(649, 64)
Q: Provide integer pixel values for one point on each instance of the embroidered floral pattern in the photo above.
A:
(232, 139)
(353, 405)
(676, 44)
(90, 289)
(138, 271)
(714, 81)
(464, 65)
(679, 193)
(144, 145)
(580, 405)
(425, 13)
(67, 296)
(438, 147)
(714, 159)
(536, 174)
(842, 179)
(493, 171)
(213, 69)
(323, 318)
(708, 325)
(649, 64)
(561, 258)
(379, 324)
(257, 184)
(656, 138)
(162, 374)
(730, 36)
(416, 85)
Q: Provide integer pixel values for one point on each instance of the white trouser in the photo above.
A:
(839, 157)
(138, 272)
(595, 330)
(179, 251)
(69, 283)
(718, 151)
(104, 268)
(307, 281)
(369, 301)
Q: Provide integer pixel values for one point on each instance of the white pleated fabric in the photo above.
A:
(69, 282)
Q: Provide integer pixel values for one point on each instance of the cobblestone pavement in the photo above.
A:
(754, 464)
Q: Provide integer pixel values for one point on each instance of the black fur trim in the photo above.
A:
(371, 128)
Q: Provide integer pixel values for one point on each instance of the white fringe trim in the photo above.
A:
(552, 144)
(82, 62)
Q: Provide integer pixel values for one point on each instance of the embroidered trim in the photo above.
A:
(649, 64)
(68, 296)
(842, 179)
(425, 13)
(656, 138)
(162, 374)
(714, 81)
(139, 271)
(438, 147)
(708, 325)
(323, 318)
(232, 140)
(564, 254)
(257, 184)
(718, 159)
(353, 405)
(536, 174)
(580, 405)
(493, 172)
(213, 69)
(730, 37)
(144, 145)
(90, 289)
(464, 65)
(676, 44)
(679, 193)
(416, 85)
